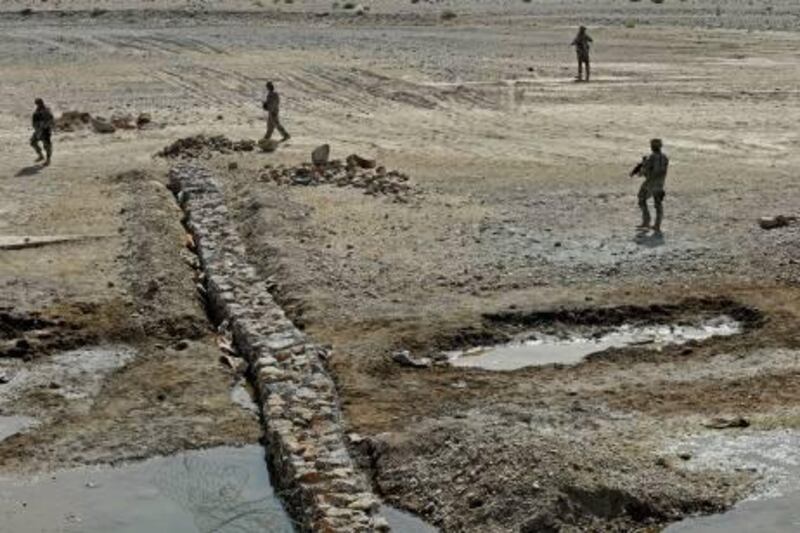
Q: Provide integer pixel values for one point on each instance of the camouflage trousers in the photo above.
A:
(583, 61)
(647, 191)
(274, 123)
(43, 136)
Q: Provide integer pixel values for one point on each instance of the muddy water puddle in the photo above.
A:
(11, 425)
(222, 489)
(403, 522)
(536, 349)
(73, 374)
(772, 456)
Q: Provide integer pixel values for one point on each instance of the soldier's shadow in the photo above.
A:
(28, 171)
(652, 240)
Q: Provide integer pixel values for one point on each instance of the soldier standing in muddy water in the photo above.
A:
(43, 123)
(654, 170)
(272, 105)
(582, 43)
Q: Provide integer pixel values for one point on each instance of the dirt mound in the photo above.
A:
(200, 145)
(355, 172)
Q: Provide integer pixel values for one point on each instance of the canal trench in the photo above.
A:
(306, 451)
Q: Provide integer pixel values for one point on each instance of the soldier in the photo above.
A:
(43, 124)
(654, 170)
(272, 106)
(582, 43)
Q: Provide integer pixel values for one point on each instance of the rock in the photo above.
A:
(404, 358)
(381, 524)
(367, 503)
(320, 155)
(355, 160)
(143, 120)
(72, 120)
(181, 345)
(4, 378)
(101, 125)
(268, 145)
(234, 363)
(725, 423)
(776, 221)
(685, 456)
(122, 122)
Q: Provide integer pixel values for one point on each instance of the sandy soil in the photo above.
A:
(521, 204)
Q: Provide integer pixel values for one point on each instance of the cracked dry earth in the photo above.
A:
(521, 210)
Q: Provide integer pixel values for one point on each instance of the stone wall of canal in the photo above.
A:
(312, 469)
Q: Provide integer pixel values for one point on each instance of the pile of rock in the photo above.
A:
(200, 145)
(355, 171)
(78, 120)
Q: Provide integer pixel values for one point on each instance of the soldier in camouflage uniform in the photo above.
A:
(582, 43)
(272, 107)
(654, 170)
(43, 124)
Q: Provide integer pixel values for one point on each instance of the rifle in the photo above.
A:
(637, 170)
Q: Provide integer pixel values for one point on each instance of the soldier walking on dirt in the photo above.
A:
(582, 43)
(272, 106)
(43, 124)
(654, 170)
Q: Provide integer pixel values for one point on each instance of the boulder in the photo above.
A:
(122, 122)
(320, 155)
(143, 120)
(268, 145)
(101, 125)
(776, 221)
(404, 358)
(355, 160)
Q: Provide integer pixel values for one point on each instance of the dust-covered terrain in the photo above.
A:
(502, 208)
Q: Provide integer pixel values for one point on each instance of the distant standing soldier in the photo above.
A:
(582, 43)
(272, 106)
(654, 170)
(43, 124)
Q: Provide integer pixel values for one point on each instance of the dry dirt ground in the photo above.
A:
(520, 207)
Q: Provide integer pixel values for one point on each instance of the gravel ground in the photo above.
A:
(521, 204)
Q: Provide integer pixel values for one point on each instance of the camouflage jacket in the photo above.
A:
(273, 103)
(654, 169)
(42, 119)
(582, 43)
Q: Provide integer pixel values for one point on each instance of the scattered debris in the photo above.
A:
(335, 172)
(776, 221)
(404, 358)
(726, 423)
